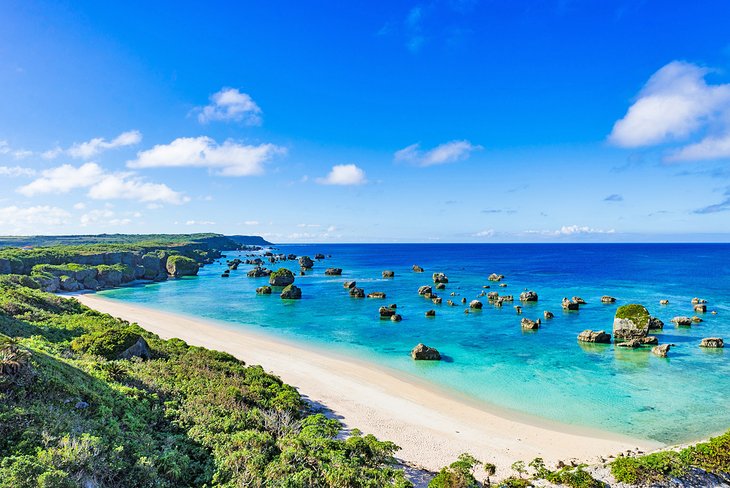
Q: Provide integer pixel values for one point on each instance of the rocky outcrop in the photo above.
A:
(631, 322)
(528, 324)
(291, 292)
(263, 290)
(436, 300)
(376, 294)
(492, 295)
(579, 300)
(333, 271)
(655, 324)
(548, 315)
(396, 317)
(607, 299)
(306, 262)
(350, 284)
(430, 313)
(178, 266)
(139, 349)
(258, 272)
(388, 273)
(417, 269)
(356, 292)
(319, 256)
(630, 344)
(598, 337)
(425, 289)
(424, 353)
(281, 277)
(570, 304)
(661, 350)
(495, 277)
(528, 296)
(476, 305)
(386, 312)
(696, 301)
(440, 286)
(440, 278)
(713, 342)
(682, 321)
(664, 302)
(700, 308)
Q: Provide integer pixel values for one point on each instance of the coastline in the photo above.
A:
(431, 426)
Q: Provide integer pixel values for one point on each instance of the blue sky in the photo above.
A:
(451, 121)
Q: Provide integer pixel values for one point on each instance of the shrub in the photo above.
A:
(107, 343)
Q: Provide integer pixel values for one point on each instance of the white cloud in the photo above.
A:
(104, 217)
(89, 149)
(4, 147)
(309, 225)
(199, 222)
(344, 174)
(571, 230)
(675, 103)
(79, 206)
(101, 185)
(707, 148)
(251, 222)
(484, 233)
(52, 153)
(230, 158)
(23, 219)
(231, 104)
(16, 171)
(448, 152)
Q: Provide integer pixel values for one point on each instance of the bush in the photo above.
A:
(107, 343)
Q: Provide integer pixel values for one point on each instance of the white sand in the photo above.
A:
(430, 425)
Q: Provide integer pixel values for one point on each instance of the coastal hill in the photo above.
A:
(250, 240)
(217, 241)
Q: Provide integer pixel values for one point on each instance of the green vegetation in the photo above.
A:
(712, 456)
(71, 415)
(638, 314)
(122, 240)
(181, 266)
(460, 474)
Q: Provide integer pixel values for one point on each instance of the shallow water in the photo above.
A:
(546, 373)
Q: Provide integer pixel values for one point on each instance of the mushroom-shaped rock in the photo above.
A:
(579, 300)
(607, 299)
(700, 307)
(440, 286)
(356, 292)
(631, 322)
(437, 300)
(291, 292)
(548, 314)
(528, 296)
(440, 278)
(528, 324)
(376, 294)
(388, 273)
(258, 272)
(682, 321)
(181, 266)
(417, 269)
(423, 352)
(599, 336)
(492, 295)
(715, 342)
(664, 302)
(396, 317)
(333, 271)
(696, 300)
(476, 305)
(655, 324)
(263, 290)
(570, 304)
(281, 277)
(424, 290)
(386, 312)
(430, 313)
(306, 262)
(495, 277)
(350, 284)
(661, 350)
(319, 256)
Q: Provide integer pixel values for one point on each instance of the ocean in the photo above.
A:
(486, 355)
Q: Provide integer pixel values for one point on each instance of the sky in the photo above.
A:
(432, 121)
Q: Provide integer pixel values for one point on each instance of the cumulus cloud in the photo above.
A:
(101, 185)
(484, 233)
(199, 222)
(231, 104)
(674, 105)
(16, 171)
(89, 149)
(229, 158)
(23, 219)
(448, 152)
(251, 222)
(615, 197)
(103, 217)
(344, 175)
(571, 230)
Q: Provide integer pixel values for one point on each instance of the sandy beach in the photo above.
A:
(431, 426)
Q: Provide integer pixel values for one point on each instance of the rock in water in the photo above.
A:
(181, 266)
(495, 277)
(333, 271)
(281, 277)
(715, 342)
(607, 299)
(548, 314)
(357, 292)
(417, 269)
(631, 322)
(440, 278)
(682, 321)
(424, 290)
(599, 337)
(263, 290)
(388, 273)
(528, 324)
(655, 324)
(396, 317)
(570, 304)
(700, 307)
(664, 302)
(423, 352)
(291, 292)
(350, 284)
(386, 312)
(306, 262)
(376, 294)
(528, 296)
(430, 313)
(475, 304)
(661, 351)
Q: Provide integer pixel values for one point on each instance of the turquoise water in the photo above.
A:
(546, 373)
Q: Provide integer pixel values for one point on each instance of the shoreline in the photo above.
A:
(431, 425)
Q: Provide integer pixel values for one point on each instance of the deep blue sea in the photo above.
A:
(488, 357)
